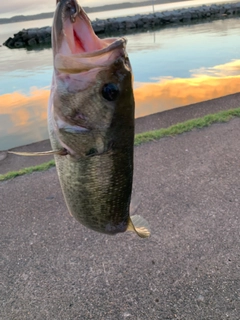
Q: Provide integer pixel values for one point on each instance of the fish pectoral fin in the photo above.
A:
(139, 225)
(61, 152)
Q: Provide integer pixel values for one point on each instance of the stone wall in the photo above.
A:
(42, 36)
(29, 38)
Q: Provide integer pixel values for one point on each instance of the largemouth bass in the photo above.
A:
(91, 123)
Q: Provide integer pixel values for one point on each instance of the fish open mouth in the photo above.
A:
(76, 47)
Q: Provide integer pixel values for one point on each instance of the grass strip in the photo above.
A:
(140, 138)
(186, 126)
(13, 174)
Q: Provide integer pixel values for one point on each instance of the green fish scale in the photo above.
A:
(97, 190)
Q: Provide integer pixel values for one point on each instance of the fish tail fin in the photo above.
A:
(36, 154)
(139, 225)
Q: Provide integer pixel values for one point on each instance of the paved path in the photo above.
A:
(54, 268)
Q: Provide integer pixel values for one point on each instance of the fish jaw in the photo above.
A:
(72, 33)
(72, 24)
(76, 48)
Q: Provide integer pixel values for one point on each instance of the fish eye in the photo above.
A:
(110, 91)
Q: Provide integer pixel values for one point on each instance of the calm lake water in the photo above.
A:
(172, 67)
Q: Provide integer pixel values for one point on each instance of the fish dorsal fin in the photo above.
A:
(139, 225)
(44, 153)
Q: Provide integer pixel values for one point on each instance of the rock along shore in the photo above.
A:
(42, 36)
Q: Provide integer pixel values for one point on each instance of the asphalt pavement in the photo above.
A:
(189, 269)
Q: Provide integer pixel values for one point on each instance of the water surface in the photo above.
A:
(172, 67)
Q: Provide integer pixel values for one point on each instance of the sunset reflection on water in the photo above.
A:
(205, 84)
(25, 116)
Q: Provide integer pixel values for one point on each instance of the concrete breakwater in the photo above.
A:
(41, 36)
